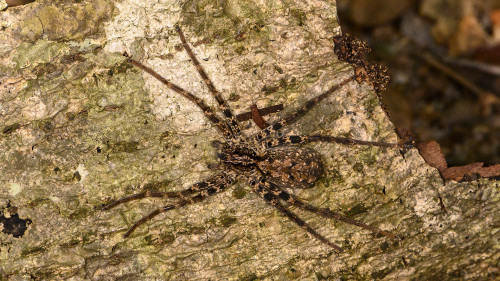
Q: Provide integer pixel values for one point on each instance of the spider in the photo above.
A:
(268, 163)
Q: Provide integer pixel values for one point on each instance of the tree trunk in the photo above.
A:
(82, 127)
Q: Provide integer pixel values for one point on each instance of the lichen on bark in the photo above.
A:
(81, 127)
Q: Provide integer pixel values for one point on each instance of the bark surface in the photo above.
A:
(80, 127)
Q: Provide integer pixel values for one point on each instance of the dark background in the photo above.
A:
(443, 57)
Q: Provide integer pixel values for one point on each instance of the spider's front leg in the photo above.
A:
(263, 138)
(290, 119)
(233, 122)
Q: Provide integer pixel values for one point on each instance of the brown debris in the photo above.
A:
(351, 49)
(431, 152)
(262, 112)
(257, 118)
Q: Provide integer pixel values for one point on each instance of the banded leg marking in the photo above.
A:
(209, 113)
(260, 136)
(272, 142)
(325, 212)
(206, 188)
(259, 187)
(233, 122)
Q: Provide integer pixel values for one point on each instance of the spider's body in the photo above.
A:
(292, 166)
(285, 166)
(269, 164)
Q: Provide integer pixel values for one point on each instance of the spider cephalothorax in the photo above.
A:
(269, 164)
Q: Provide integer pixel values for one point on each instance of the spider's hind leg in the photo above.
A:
(259, 187)
(157, 194)
(153, 193)
(163, 209)
(324, 212)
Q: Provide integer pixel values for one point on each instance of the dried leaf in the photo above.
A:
(431, 152)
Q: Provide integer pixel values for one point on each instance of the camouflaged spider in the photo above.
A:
(268, 163)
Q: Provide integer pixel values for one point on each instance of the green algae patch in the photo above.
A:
(43, 51)
(69, 21)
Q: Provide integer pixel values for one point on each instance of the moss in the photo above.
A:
(80, 213)
(239, 192)
(33, 251)
(124, 146)
(358, 167)
(11, 128)
(43, 51)
(356, 210)
(249, 277)
(380, 274)
(299, 15)
(162, 239)
(68, 21)
(226, 221)
(31, 29)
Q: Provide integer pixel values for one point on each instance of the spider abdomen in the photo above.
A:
(292, 166)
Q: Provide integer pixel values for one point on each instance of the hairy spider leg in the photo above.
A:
(224, 107)
(149, 193)
(325, 212)
(215, 184)
(290, 119)
(163, 209)
(259, 186)
(224, 128)
(279, 141)
(199, 186)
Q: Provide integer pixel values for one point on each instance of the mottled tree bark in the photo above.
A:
(80, 127)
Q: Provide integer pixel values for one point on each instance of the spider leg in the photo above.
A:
(233, 123)
(206, 188)
(224, 128)
(166, 208)
(158, 194)
(259, 187)
(260, 136)
(272, 142)
(325, 212)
